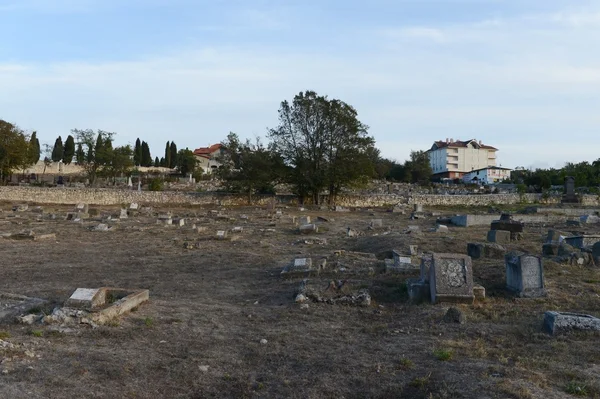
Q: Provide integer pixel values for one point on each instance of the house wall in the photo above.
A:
(459, 160)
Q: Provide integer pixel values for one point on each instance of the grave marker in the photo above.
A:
(451, 278)
(525, 275)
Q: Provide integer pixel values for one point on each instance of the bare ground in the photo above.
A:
(211, 306)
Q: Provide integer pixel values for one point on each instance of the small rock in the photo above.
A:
(304, 306)
(263, 341)
(454, 315)
(203, 368)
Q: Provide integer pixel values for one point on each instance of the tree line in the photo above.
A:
(586, 175)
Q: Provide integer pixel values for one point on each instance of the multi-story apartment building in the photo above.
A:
(452, 159)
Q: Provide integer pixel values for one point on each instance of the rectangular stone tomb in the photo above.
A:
(498, 236)
(582, 241)
(507, 225)
(164, 219)
(400, 263)
(106, 303)
(123, 214)
(299, 265)
(12, 306)
(309, 228)
(82, 208)
(221, 235)
(563, 322)
(525, 275)
(302, 220)
(451, 278)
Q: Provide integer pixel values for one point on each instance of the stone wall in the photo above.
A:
(101, 196)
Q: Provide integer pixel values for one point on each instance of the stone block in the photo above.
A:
(583, 241)
(418, 207)
(180, 222)
(309, 228)
(418, 290)
(525, 275)
(451, 278)
(82, 208)
(550, 249)
(299, 265)
(507, 225)
(562, 322)
(304, 220)
(498, 236)
(134, 206)
(237, 229)
(413, 250)
(221, 235)
(123, 214)
(589, 219)
(376, 223)
(477, 250)
(440, 228)
(86, 298)
(479, 292)
(426, 261)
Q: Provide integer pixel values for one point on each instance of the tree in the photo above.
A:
(137, 152)
(173, 155)
(98, 149)
(146, 159)
(324, 143)
(69, 150)
(80, 155)
(34, 149)
(57, 151)
(419, 167)
(120, 163)
(186, 162)
(250, 168)
(14, 149)
(167, 162)
(163, 163)
(156, 162)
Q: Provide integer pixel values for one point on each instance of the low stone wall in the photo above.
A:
(101, 196)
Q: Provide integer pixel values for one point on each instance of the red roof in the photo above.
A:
(208, 150)
(458, 143)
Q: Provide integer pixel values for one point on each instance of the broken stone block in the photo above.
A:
(304, 220)
(237, 229)
(101, 227)
(299, 265)
(164, 219)
(86, 298)
(351, 232)
(525, 275)
(451, 278)
(376, 223)
(454, 315)
(418, 290)
(561, 322)
(413, 250)
(499, 236)
(221, 235)
(589, 219)
(478, 250)
(479, 292)
(309, 228)
(440, 228)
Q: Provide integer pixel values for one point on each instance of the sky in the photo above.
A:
(520, 75)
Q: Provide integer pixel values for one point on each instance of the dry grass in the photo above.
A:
(212, 305)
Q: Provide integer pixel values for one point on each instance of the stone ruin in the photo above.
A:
(506, 223)
(556, 323)
(341, 292)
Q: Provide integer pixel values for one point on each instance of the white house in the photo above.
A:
(490, 175)
(208, 157)
(452, 159)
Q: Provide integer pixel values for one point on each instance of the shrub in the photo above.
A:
(156, 185)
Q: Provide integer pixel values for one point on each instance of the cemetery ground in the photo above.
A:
(222, 321)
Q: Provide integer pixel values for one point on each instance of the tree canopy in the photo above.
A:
(15, 150)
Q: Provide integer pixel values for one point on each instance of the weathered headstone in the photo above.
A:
(180, 222)
(498, 236)
(569, 196)
(562, 322)
(123, 214)
(418, 208)
(221, 235)
(299, 265)
(376, 223)
(418, 290)
(413, 250)
(82, 208)
(304, 220)
(451, 278)
(525, 275)
(134, 206)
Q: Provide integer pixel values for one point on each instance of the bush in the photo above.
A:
(156, 185)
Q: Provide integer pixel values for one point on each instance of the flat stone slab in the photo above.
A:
(12, 305)
(106, 303)
(298, 265)
(583, 241)
(562, 322)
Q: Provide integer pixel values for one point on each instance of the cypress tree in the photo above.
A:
(156, 162)
(173, 160)
(57, 151)
(80, 154)
(168, 155)
(69, 150)
(34, 149)
(137, 153)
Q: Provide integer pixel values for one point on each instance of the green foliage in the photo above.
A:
(57, 151)
(79, 155)
(137, 153)
(156, 162)
(156, 185)
(186, 162)
(443, 354)
(99, 155)
(69, 150)
(323, 143)
(585, 174)
(249, 168)
(415, 170)
(173, 155)
(37, 333)
(146, 159)
(576, 388)
(34, 149)
(14, 149)
(4, 334)
(167, 161)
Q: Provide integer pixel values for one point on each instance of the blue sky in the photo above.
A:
(521, 75)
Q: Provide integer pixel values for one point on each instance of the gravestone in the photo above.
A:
(400, 263)
(304, 220)
(134, 206)
(451, 278)
(164, 219)
(499, 236)
(562, 322)
(569, 196)
(237, 229)
(178, 222)
(221, 235)
(299, 265)
(413, 250)
(418, 290)
(82, 208)
(525, 275)
(309, 228)
(426, 261)
(376, 223)
(123, 214)
(555, 237)
(418, 208)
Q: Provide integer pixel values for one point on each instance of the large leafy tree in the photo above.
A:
(250, 168)
(14, 149)
(324, 143)
(69, 150)
(98, 150)
(57, 151)
(186, 162)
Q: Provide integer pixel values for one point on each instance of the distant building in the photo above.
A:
(208, 157)
(489, 175)
(452, 159)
